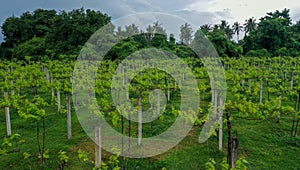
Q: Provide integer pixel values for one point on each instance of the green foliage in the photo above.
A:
(82, 155)
(53, 34)
(34, 109)
(241, 164)
(63, 158)
(45, 155)
(47, 32)
(275, 34)
(257, 53)
(35, 47)
(62, 155)
(186, 33)
(210, 164)
(26, 155)
(11, 144)
(224, 164)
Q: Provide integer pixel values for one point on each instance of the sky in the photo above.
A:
(198, 12)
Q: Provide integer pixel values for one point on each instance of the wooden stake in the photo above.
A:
(235, 144)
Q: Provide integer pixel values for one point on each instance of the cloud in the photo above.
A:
(173, 5)
(199, 18)
(295, 14)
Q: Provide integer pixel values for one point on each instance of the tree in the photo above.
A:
(131, 30)
(186, 33)
(224, 26)
(35, 47)
(250, 25)
(272, 33)
(206, 27)
(61, 33)
(222, 44)
(236, 29)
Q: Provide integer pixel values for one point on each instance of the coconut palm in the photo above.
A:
(226, 28)
(250, 25)
(206, 27)
(236, 29)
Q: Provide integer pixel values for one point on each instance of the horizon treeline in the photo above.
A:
(48, 34)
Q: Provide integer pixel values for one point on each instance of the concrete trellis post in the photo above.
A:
(98, 146)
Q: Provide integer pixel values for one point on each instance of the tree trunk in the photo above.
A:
(140, 125)
(69, 118)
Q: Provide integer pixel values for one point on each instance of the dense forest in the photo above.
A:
(51, 34)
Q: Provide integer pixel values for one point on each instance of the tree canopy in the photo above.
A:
(50, 34)
(56, 32)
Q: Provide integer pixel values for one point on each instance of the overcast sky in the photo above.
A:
(197, 12)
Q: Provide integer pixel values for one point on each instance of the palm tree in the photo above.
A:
(206, 27)
(223, 24)
(250, 25)
(236, 29)
(226, 28)
(216, 27)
